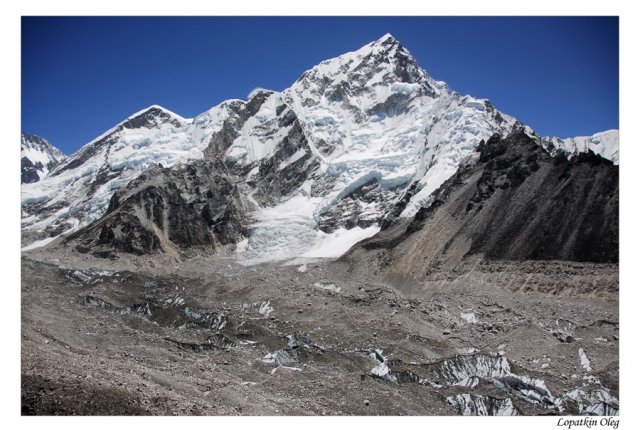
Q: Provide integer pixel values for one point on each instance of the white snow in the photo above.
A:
(295, 157)
(38, 244)
(605, 144)
(39, 150)
(333, 245)
(469, 317)
(133, 151)
(585, 363)
(241, 247)
(328, 287)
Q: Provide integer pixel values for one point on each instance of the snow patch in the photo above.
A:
(295, 157)
(333, 245)
(585, 363)
(328, 287)
(38, 244)
(469, 317)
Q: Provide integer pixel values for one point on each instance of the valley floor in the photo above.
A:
(212, 337)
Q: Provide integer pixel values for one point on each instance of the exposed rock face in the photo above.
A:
(30, 170)
(275, 157)
(38, 157)
(239, 112)
(567, 211)
(513, 202)
(168, 210)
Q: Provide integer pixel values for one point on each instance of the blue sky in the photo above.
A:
(82, 75)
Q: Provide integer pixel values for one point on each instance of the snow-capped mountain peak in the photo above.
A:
(38, 157)
(604, 143)
(136, 131)
(350, 138)
(153, 116)
(376, 64)
(388, 38)
(78, 190)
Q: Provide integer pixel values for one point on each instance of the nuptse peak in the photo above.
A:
(357, 139)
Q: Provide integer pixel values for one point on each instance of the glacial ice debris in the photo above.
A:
(296, 341)
(216, 341)
(585, 363)
(471, 404)
(204, 320)
(327, 286)
(263, 307)
(468, 371)
(282, 358)
(594, 400)
(80, 276)
(139, 310)
(469, 317)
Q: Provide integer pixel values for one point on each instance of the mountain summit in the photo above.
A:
(38, 157)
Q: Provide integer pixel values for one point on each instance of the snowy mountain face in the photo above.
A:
(38, 157)
(357, 140)
(604, 144)
(78, 190)
(327, 159)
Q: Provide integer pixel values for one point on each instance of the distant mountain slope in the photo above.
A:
(78, 190)
(512, 202)
(604, 144)
(38, 157)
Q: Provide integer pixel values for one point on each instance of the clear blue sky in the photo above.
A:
(82, 75)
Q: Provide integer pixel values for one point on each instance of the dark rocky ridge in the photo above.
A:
(29, 171)
(516, 202)
(168, 210)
